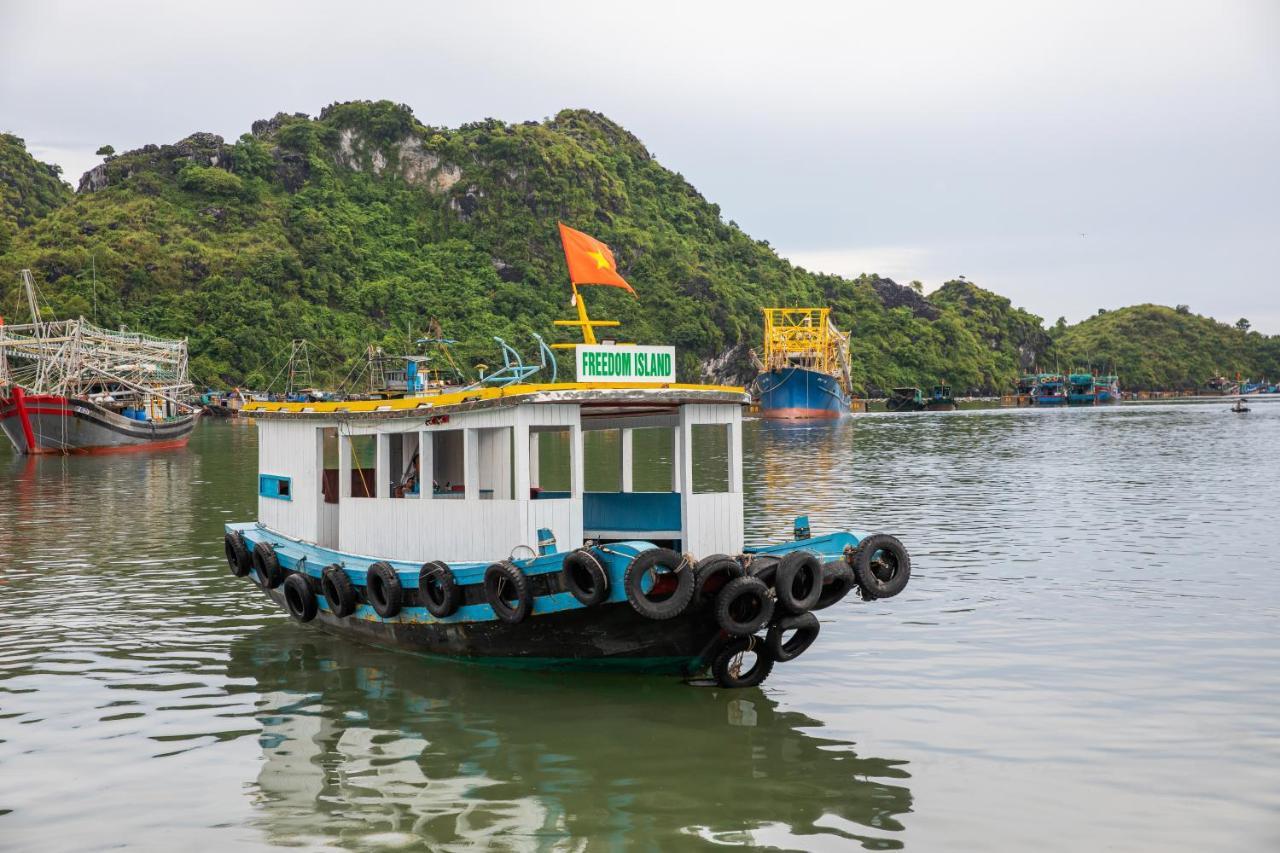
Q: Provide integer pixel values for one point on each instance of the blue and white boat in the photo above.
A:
(1050, 390)
(804, 371)
(458, 523)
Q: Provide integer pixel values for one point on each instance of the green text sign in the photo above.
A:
(626, 364)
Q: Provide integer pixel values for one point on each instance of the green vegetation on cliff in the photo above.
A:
(359, 226)
(29, 189)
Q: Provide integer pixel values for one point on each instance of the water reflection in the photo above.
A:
(364, 745)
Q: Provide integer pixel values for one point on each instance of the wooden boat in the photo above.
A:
(1107, 388)
(905, 400)
(72, 387)
(1081, 389)
(804, 371)
(1050, 390)
(459, 524)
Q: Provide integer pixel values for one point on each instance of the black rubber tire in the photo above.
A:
(299, 600)
(238, 559)
(799, 582)
(765, 568)
(383, 589)
(583, 575)
(671, 604)
(438, 589)
(504, 576)
(339, 591)
(744, 606)
(887, 575)
(725, 666)
(837, 582)
(265, 563)
(806, 629)
(711, 574)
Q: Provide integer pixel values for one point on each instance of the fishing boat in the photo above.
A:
(72, 387)
(804, 370)
(460, 525)
(905, 400)
(1050, 390)
(1081, 390)
(1107, 388)
(940, 399)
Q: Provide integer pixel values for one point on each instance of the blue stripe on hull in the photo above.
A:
(804, 392)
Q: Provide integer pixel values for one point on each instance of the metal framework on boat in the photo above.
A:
(75, 358)
(805, 337)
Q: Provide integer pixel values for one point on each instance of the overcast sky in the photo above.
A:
(1072, 156)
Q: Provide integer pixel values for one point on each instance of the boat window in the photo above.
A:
(447, 468)
(403, 460)
(710, 458)
(494, 447)
(550, 462)
(653, 458)
(329, 464)
(364, 465)
(602, 460)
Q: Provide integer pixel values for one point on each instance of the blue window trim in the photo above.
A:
(269, 487)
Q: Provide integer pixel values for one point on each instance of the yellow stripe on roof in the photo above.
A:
(452, 398)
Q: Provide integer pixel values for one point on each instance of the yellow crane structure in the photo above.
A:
(805, 338)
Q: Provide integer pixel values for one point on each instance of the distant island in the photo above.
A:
(360, 225)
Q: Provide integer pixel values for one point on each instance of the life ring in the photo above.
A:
(238, 558)
(438, 589)
(727, 665)
(881, 566)
(837, 582)
(507, 590)
(267, 565)
(584, 576)
(783, 649)
(338, 590)
(383, 588)
(712, 573)
(744, 606)
(671, 589)
(299, 599)
(799, 581)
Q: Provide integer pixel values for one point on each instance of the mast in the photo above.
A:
(584, 322)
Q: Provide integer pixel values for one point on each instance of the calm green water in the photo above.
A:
(1088, 657)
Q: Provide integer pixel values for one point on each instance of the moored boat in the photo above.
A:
(1107, 388)
(940, 399)
(460, 524)
(1081, 390)
(905, 400)
(72, 387)
(804, 370)
(1050, 390)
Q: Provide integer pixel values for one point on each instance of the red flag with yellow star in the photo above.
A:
(589, 260)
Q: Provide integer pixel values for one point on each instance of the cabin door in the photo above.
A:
(329, 492)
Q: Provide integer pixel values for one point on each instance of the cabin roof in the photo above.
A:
(600, 393)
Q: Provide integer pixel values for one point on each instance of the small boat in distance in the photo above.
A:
(940, 399)
(905, 400)
(71, 387)
(1050, 390)
(804, 372)
(1107, 388)
(1081, 390)
(1240, 408)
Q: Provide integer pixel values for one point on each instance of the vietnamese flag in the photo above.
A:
(589, 260)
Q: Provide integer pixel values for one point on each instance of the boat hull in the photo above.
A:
(800, 393)
(558, 633)
(49, 423)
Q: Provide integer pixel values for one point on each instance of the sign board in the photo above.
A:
(625, 363)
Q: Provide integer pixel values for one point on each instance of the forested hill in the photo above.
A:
(29, 189)
(1156, 347)
(358, 226)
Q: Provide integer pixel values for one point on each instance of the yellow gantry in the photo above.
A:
(805, 337)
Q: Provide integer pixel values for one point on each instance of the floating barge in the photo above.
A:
(460, 525)
(804, 372)
(72, 387)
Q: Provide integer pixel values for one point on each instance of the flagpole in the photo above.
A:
(588, 333)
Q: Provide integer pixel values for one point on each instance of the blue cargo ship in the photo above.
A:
(805, 369)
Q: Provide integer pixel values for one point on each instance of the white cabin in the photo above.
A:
(472, 476)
